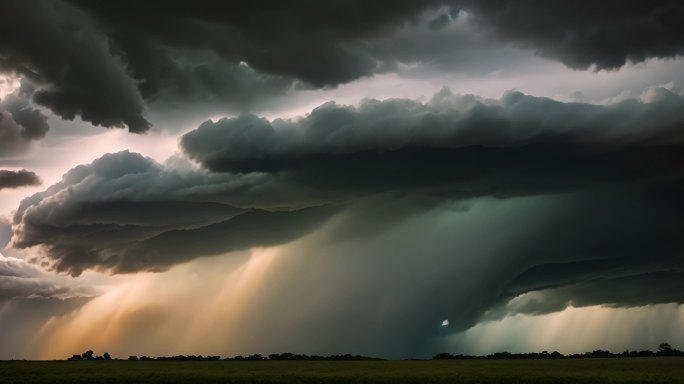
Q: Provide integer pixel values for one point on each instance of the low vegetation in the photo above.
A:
(666, 365)
(540, 371)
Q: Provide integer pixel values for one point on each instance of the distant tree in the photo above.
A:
(664, 348)
(75, 357)
(443, 356)
(88, 355)
(132, 357)
(106, 356)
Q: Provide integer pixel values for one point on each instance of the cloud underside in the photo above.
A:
(106, 62)
(21, 280)
(360, 173)
(20, 124)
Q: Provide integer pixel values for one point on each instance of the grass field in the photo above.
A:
(625, 370)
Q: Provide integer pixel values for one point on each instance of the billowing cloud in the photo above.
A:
(61, 50)
(126, 213)
(16, 179)
(458, 144)
(347, 40)
(20, 280)
(106, 63)
(462, 146)
(338, 230)
(318, 44)
(396, 179)
(582, 34)
(20, 124)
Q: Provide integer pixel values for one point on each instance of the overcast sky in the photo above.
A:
(340, 177)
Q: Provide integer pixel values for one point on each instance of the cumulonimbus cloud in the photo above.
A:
(518, 145)
(127, 213)
(616, 166)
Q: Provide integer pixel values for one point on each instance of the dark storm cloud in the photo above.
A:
(318, 43)
(127, 213)
(623, 160)
(33, 122)
(345, 40)
(641, 289)
(20, 124)
(106, 61)
(593, 188)
(617, 247)
(19, 279)
(16, 179)
(604, 34)
(518, 145)
(62, 51)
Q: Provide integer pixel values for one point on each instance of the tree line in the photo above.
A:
(664, 349)
(89, 355)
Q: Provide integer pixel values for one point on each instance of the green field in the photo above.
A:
(625, 370)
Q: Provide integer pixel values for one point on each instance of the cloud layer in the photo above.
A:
(21, 280)
(388, 167)
(518, 145)
(126, 213)
(338, 230)
(106, 63)
(16, 179)
(583, 34)
(20, 124)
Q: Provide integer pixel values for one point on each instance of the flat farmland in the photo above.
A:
(608, 370)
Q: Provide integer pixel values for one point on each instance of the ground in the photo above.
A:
(610, 370)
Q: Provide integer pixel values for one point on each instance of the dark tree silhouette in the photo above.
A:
(88, 355)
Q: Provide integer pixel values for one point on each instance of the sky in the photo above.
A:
(340, 177)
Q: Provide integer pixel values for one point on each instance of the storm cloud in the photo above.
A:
(21, 280)
(16, 179)
(20, 124)
(126, 213)
(549, 186)
(519, 145)
(107, 63)
(62, 51)
(583, 179)
(583, 34)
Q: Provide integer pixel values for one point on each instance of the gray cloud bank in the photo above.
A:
(581, 34)
(382, 180)
(458, 145)
(16, 179)
(106, 62)
(20, 124)
(21, 280)
(126, 213)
